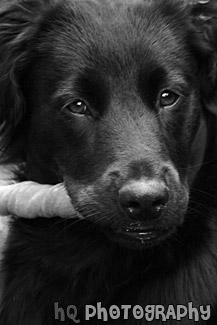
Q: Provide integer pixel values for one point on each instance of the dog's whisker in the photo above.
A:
(199, 165)
(197, 204)
(205, 192)
(72, 224)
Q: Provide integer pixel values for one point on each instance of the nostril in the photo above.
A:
(157, 208)
(133, 208)
(160, 203)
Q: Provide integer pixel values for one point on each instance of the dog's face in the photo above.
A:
(113, 96)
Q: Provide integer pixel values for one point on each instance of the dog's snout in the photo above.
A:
(144, 200)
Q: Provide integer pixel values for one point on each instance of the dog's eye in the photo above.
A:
(168, 98)
(78, 107)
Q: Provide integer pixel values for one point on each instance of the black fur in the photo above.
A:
(118, 57)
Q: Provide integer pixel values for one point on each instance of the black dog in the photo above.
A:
(116, 99)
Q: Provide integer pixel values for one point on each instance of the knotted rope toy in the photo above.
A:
(30, 200)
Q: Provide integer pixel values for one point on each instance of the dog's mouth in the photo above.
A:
(140, 237)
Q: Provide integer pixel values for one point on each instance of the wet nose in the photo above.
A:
(144, 200)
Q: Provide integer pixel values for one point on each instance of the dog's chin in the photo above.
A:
(138, 237)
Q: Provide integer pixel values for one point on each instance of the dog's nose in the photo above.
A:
(144, 199)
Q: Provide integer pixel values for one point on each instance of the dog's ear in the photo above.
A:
(19, 23)
(203, 20)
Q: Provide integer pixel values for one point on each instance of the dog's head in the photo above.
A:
(110, 97)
